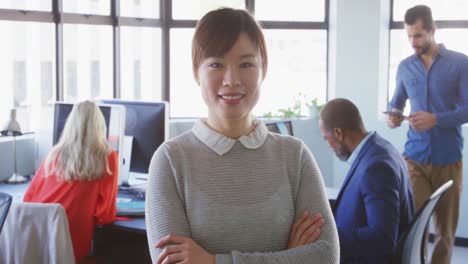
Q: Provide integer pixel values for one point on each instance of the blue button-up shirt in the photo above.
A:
(443, 91)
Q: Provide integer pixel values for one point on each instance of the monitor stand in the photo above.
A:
(126, 160)
(136, 179)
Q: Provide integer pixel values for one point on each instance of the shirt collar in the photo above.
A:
(442, 50)
(356, 151)
(222, 144)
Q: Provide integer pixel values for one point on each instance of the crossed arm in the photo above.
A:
(313, 236)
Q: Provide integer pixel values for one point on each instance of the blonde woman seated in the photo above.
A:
(80, 173)
(228, 191)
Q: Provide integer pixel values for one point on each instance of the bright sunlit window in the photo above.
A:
(141, 50)
(27, 70)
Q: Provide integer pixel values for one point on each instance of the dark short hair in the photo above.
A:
(420, 12)
(219, 30)
(341, 113)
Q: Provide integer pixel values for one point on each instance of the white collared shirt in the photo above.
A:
(356, 151)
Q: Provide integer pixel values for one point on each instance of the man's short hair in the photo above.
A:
(420, 12)
(341, 113)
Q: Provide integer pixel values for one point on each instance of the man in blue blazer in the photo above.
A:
(375, 204)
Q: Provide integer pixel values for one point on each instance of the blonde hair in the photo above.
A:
(81, 153)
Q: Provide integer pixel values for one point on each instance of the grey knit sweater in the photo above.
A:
(238, 198)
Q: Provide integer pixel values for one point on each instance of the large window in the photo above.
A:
(39, 5)
(99, 7)
(71, 50)
(87, 62)
(195, 9)
(297, 69)
(140, 63)
(26, 69)
(452, 30)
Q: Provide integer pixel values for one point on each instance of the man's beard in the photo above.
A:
(424, 49)
(342, 152)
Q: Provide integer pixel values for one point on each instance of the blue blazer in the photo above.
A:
(375, 204)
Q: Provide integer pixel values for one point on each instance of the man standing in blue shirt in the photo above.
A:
(435, 80)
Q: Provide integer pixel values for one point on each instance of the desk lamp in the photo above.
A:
(12, 128)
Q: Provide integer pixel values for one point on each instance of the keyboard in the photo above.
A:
(130, 201)
(130, 208)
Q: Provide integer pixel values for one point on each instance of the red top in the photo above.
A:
(87, 203)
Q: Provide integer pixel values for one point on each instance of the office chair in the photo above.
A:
(36, 233)
(410, 248)
(5, 202)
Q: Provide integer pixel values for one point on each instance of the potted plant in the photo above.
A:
(314, 107)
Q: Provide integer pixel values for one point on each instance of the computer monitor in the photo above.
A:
(61, 112)
(147, 127)
(283, 127)
(114, 117)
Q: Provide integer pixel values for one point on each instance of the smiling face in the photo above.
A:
(231, 83)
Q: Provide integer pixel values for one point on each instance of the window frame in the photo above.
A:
(165, 22)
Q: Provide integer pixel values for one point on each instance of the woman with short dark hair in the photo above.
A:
(229, 191)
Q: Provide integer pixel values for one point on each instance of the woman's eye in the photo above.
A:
(216, 65)
(246, 65)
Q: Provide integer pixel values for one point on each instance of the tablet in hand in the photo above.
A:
(395, 113)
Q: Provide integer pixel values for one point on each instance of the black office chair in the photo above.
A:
(5, 202)
(410, 249)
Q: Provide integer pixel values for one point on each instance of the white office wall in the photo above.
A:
(358, 59)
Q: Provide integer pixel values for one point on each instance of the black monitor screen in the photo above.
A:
(61, 112)
(146, 123)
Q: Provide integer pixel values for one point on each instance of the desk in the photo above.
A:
(126, 241)
(121, 241)
(15, 190)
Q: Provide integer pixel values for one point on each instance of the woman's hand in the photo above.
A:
(305, 230)
(180, 249)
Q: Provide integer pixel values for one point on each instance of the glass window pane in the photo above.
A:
(454, 39)
(28, 70)
(441, 9)
(87, 62)
(141, 63)
(186, 100)
(140, 8)
(297, 10)
(297, 68)
(96, 7)
(36, 5)
(195, 9)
